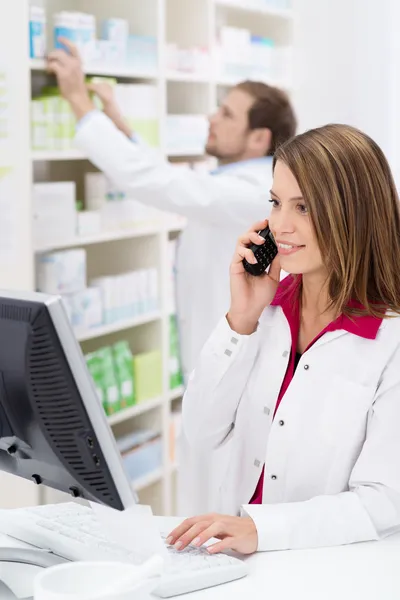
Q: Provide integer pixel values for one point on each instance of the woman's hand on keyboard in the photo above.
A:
(236, 533)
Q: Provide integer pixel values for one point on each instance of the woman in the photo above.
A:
(301, 379)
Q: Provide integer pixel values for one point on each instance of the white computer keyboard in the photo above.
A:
(72, 531)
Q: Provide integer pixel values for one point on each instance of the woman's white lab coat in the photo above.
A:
(332, 452)
(219, 208)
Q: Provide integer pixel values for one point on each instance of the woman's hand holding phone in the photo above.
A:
(249, 294)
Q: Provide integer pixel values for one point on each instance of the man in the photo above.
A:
(243, 135)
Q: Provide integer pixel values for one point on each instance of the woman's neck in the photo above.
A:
(314, 294)
(314, 312)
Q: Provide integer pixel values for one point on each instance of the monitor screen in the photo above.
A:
(53, 429)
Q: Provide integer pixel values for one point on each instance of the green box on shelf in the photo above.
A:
(175, 371)
(95, 367)
(124, 369)
(110, 381)
(147, 129)
(147, 373)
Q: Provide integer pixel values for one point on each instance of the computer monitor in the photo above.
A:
(53, 428)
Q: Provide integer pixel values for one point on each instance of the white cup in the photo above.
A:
(91, 581)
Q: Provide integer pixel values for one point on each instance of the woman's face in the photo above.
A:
(291, 225)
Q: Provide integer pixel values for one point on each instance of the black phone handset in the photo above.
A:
(264, 254)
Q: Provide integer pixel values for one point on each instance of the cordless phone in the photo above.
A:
(264, 254)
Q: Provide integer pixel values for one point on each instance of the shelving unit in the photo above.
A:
(268, 11)
(98, 332)
(57, 155)
(37, 64)
(135, 411)
(187, 23)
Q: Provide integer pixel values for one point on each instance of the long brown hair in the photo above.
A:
(349, 190)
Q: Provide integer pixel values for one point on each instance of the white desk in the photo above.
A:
(368, 571)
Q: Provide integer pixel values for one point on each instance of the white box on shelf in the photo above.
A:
(86, 37)
(116, 31)
(142, 53)
(62, 272)
(54, 212)
(171, 294)
(85, 308)
(141, 280)
(96, 189)
(125, 295)
(152, 285)
(37, 31)
(108, 293)
(133, 292)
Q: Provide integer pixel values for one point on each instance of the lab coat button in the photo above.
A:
(306, 367)
(274, 477)
(234, 341)
(281, 423)
(228, 352)
(285, 354)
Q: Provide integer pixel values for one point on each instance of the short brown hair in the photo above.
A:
(349, 190)
(271, 110)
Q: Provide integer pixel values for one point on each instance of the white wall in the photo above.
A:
(347, 68)
(323, 41)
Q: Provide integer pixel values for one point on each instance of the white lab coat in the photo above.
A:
(332, 452)
(219, 208)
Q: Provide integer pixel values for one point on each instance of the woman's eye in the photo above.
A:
(303, 209)
(273, 202)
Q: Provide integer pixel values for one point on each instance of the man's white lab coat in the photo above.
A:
(218, 207)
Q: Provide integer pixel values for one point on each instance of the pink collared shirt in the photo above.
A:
(288, 298)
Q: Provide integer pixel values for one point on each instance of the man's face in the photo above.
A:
(228, 137)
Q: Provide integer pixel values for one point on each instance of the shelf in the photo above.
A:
(59, 155)
(176, 393)
(96, 332)
(123, 72)
(104, 237)
(185, 152)
(188, 77)
(268, 11)
(147, 480)
(134, 411)
(53, 155)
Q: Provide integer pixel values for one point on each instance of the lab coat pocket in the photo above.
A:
(344, 411)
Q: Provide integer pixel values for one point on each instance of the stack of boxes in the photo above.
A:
(195, 60)
(242, 55)
(58, 217)
(53, 123)
(107, 299)
(117, 48)
(54, 213)
(122, 379)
